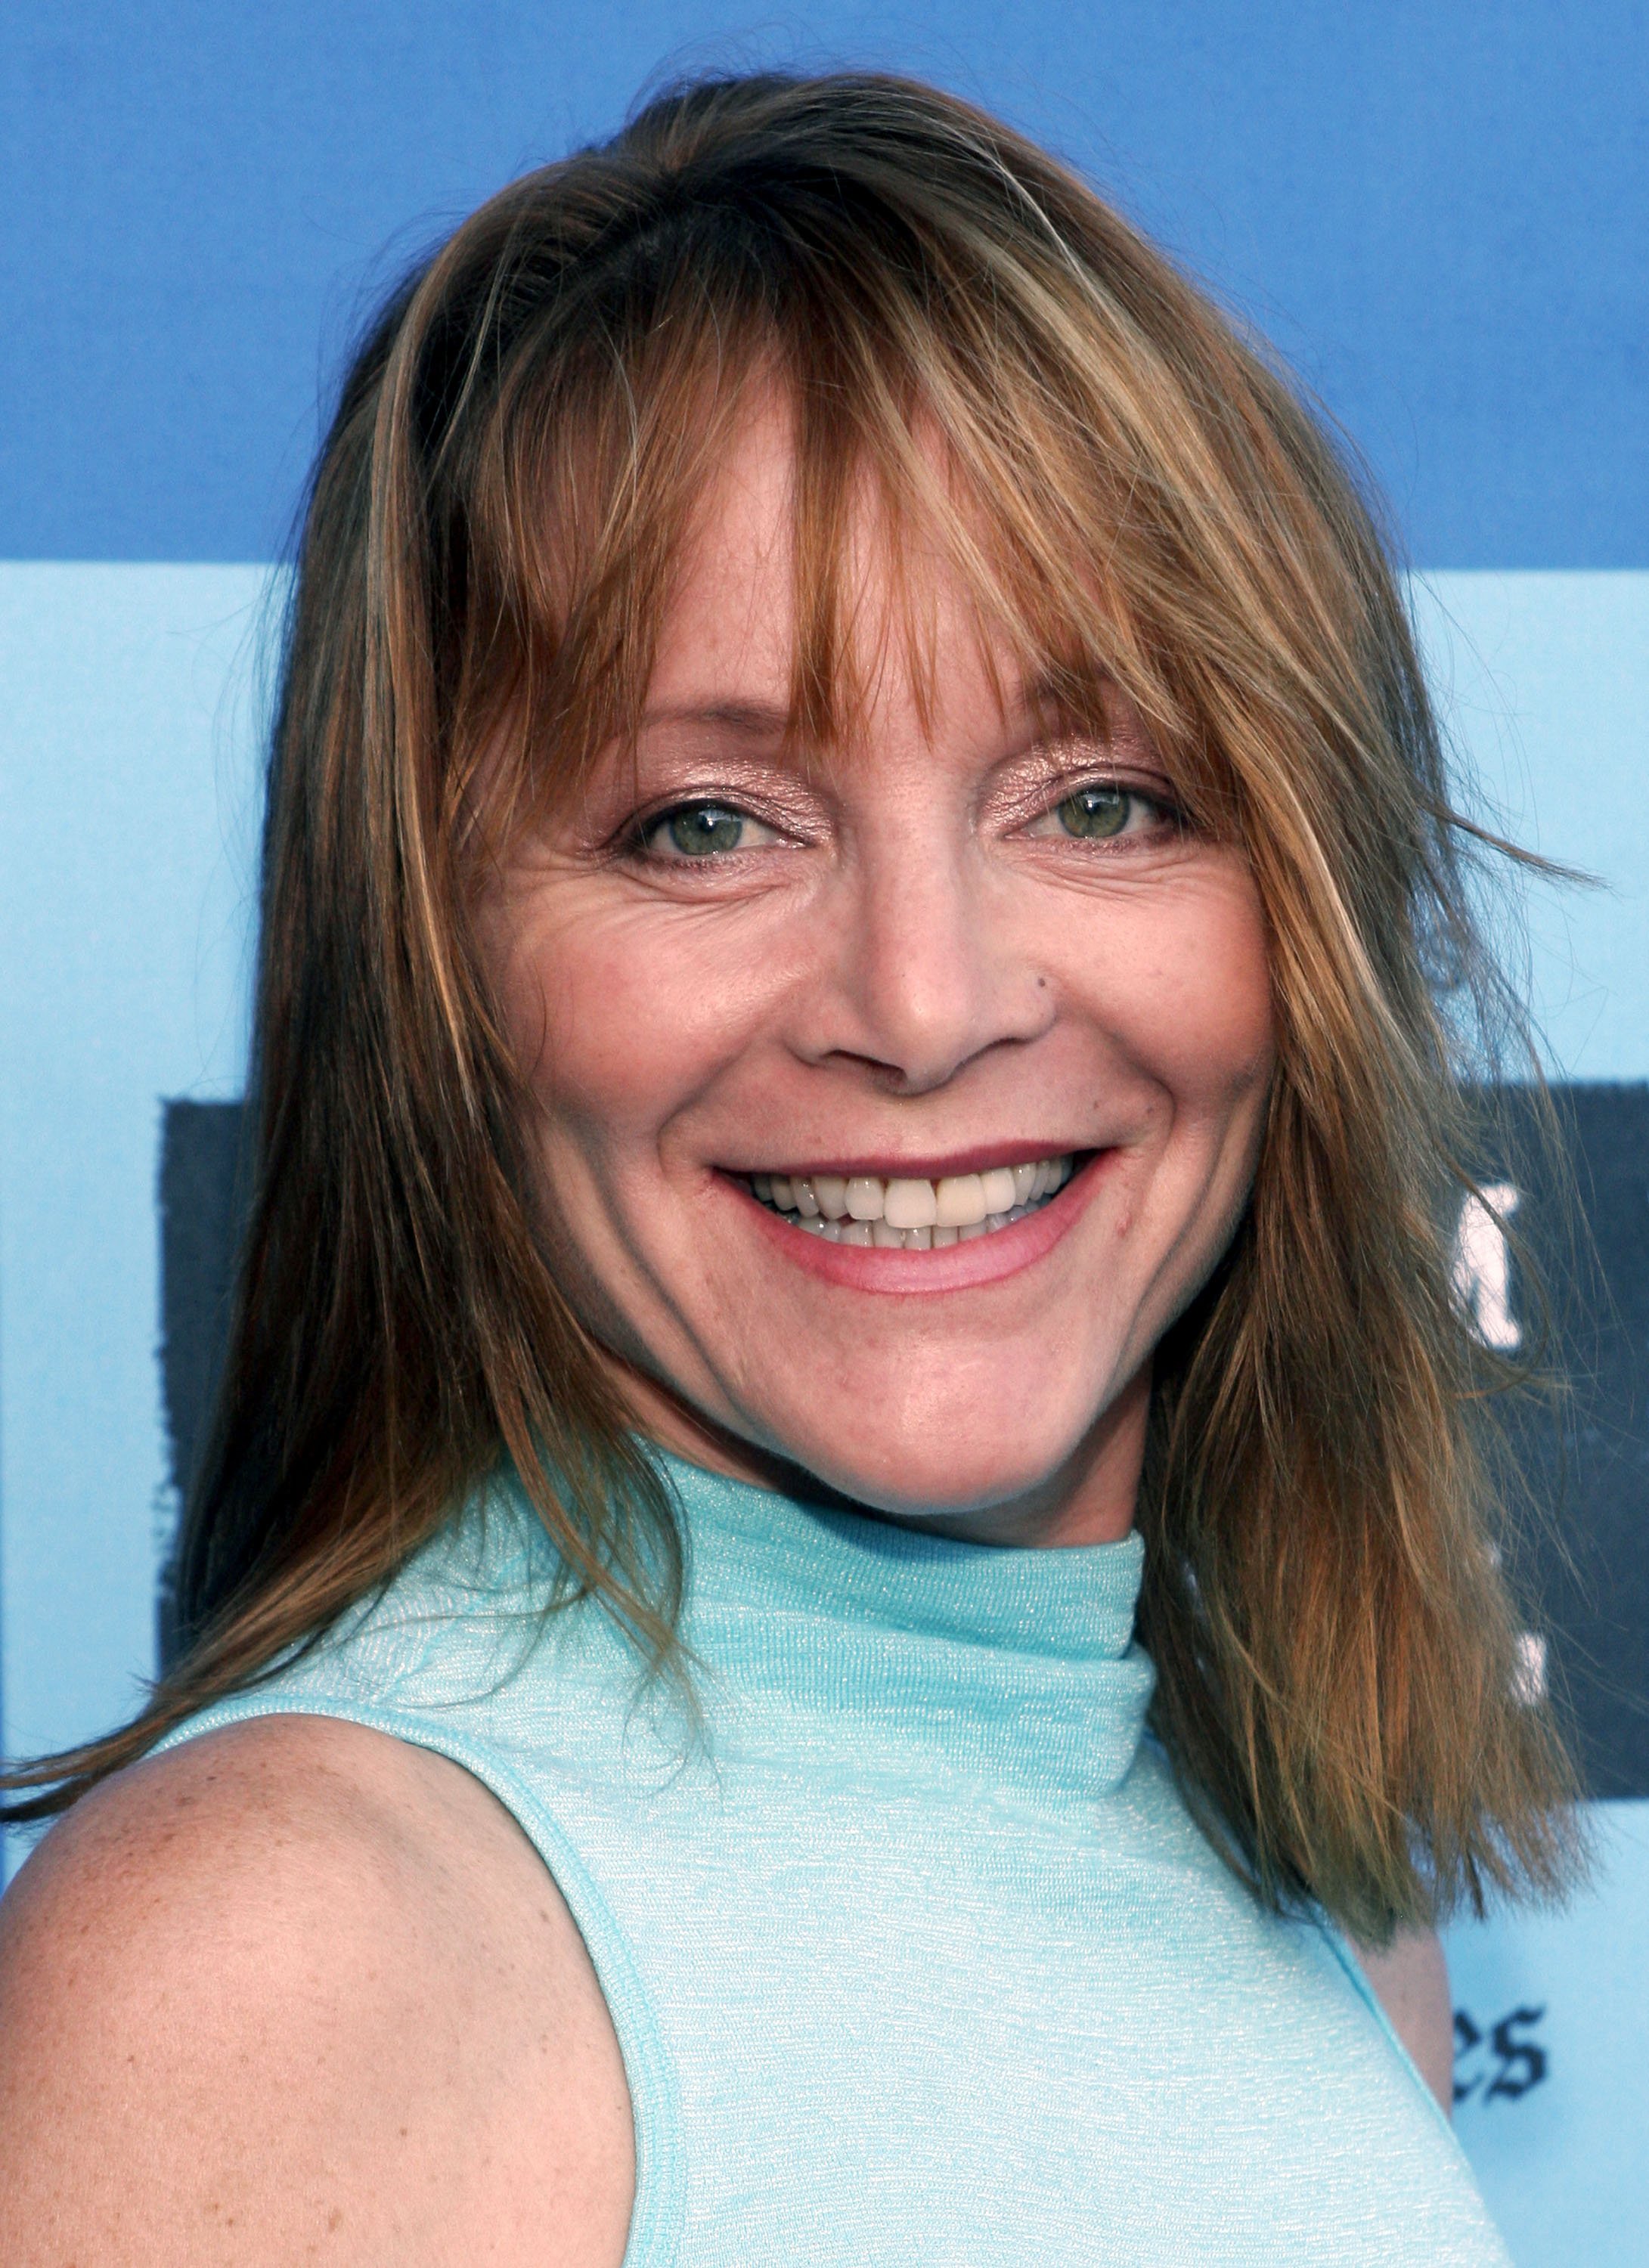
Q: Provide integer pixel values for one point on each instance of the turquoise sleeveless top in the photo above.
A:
(912, 1951)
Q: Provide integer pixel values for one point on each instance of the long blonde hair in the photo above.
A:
(1134, 496)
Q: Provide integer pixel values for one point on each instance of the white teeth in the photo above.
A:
(960, 1201)
(864, 1199)
(999, 1188)
(907, 1213)
(911, 1204)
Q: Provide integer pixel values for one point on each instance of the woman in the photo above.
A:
(858, 1098)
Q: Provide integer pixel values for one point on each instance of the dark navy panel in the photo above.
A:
(1437, 206)
(203, 1194)
(1582, 1561)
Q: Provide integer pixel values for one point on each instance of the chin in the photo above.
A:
(937, 1471)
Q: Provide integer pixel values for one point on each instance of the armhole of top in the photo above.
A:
(655, 2222)
(1344, 1952)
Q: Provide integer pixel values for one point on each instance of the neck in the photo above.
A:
(1089, 1499)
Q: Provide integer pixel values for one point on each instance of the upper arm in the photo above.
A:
(1411, 1981)
(276, 1993)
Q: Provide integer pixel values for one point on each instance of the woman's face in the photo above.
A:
(957, 969)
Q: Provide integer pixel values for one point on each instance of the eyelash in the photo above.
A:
(1169, 815)
(635, 841)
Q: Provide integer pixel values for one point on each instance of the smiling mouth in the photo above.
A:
(911, 1215)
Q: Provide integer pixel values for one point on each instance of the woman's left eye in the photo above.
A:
(702, 831)
(1102, 812)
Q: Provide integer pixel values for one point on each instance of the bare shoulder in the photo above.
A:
(299, 1990)
(1411, 1981)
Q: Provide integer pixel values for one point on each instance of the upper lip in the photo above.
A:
(884, 1166)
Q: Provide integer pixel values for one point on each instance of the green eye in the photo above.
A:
(700, 830)
(1094, 812)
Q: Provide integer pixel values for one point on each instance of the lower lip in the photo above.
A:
(956, 1267)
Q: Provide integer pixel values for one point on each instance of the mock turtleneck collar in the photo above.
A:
(1017, 1666)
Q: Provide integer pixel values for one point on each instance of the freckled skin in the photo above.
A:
(912, 960)
(298, 1990)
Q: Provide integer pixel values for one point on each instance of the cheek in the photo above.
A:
(622, 1020)
(1188, 991)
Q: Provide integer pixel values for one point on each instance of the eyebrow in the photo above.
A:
(769, 721)
(1047, 691)
(751, 719)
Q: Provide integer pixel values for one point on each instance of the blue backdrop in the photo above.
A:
(1437, 211)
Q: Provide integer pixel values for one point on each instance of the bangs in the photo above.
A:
(959, 432)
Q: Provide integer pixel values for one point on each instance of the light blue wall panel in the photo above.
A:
(129, 813)
(1544, 683)
(1554, 2117)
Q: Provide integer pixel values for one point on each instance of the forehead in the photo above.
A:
(729, 614)
(872, 611)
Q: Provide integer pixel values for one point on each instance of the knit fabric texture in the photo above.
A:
(911, 1947)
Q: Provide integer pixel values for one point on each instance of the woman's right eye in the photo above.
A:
(700, 831)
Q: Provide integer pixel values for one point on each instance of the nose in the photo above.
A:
(924, 970)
